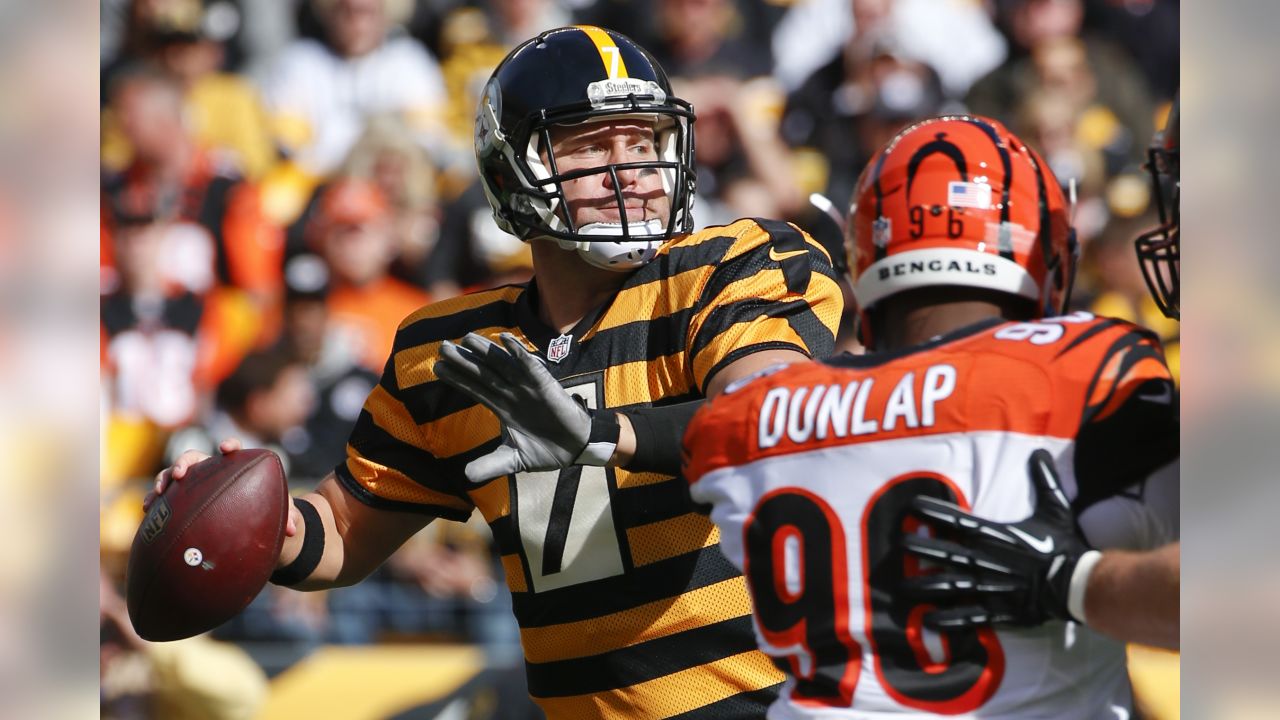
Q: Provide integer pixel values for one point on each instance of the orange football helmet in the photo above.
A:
(960, 200)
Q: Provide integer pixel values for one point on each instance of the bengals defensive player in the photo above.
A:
(963, 257)
(1129, 595)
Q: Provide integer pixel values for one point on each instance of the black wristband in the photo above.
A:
(602, 440)
(312, 548)
(659, 433)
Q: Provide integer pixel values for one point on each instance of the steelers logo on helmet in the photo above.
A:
(488, 134)
(566, 80)
(960, 201)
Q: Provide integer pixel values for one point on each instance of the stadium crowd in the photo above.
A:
(283, 182)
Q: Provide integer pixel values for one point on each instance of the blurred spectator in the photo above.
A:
(473, 252)
(133, 30)
(186, 40)
(513, 21)
(474, 37)
(1148, 30)
(1112, 284)
(162, 345)
(339, 382)
(955, 37)
(851, 106)
(698, 38)
(387, 155)
(266, 398)
(743, 167)
(1050, 48)
(1050, 122)
(196, 188)
(352, 230)
(806, 38)
(321, 93)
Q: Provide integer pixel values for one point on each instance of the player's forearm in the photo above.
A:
(329, 567)
(649, 438)
(353, 545)
(1133, 596)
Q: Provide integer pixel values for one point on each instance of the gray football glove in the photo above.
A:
(543, 426)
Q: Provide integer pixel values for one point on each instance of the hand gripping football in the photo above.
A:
(208, 545)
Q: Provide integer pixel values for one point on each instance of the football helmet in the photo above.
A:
(1158, 248)
(960, 201)
(569, 76)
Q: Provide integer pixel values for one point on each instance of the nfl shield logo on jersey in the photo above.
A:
(559, 348)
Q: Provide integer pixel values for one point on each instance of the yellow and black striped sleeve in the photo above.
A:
(775, 288)
(415, 435)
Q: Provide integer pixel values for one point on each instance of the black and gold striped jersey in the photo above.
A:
(626, 605)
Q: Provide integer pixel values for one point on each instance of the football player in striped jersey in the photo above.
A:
(963, 257)
(627, 607)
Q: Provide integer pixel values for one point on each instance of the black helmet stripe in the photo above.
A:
(1005, 243)
(1051, 263)
(939, 146)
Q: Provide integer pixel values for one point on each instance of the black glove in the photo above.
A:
(1019, 573)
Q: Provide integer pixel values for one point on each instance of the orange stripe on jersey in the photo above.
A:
(760, 330)
(459, 432)
(416, 365)
(391, 415)
(394, 485)
(1141, 372)
(1106, 379)
(493, 498)
(668, 696)
(724, 600)
(454, 305)
(514, 570)
(669, 538)
(645, 381)
(763, 283)
(629, 479)
(656, 295)
(610, 55)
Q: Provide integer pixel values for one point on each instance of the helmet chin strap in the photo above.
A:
(619, 255)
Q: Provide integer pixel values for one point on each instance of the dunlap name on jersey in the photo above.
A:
(820, 411)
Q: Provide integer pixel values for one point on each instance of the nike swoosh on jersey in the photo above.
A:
(776, 256)
(1041, 545)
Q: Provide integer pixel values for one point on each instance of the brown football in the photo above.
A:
(208, 545)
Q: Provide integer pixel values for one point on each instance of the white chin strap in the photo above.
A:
(620, 255)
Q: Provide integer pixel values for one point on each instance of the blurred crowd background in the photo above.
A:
(282, 182)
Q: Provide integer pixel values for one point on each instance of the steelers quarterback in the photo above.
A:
(555, 408)
(962, 257)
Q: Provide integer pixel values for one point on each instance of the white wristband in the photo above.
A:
(596, 454)
(1080, 584)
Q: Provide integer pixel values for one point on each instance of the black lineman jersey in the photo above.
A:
(626, 605)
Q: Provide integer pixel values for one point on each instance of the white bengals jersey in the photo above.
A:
(810, 470)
